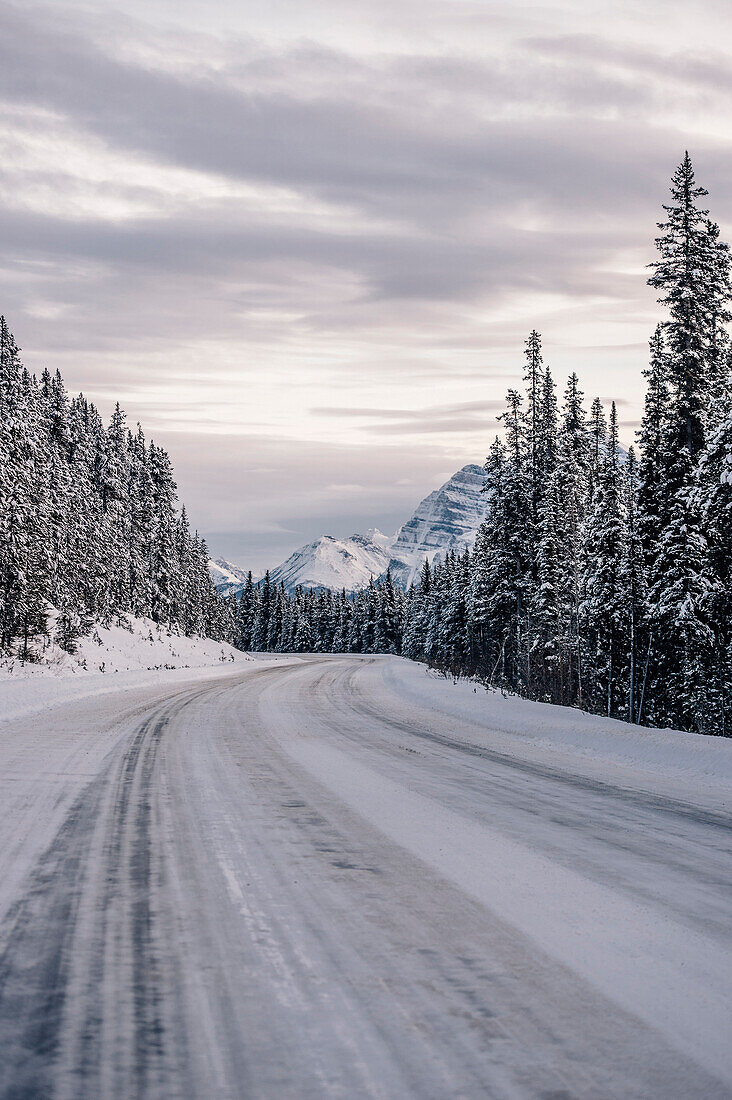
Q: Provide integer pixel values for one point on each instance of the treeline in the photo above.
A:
(599, 579)
(267, 618)
(88, 521)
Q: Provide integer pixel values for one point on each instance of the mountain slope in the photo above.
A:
(445, 520)
(225, 575)
(335, 563)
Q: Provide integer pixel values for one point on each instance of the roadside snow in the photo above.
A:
(128, 644)
(611, 750)
(130, 653)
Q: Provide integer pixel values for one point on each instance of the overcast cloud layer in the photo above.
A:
(304, 247)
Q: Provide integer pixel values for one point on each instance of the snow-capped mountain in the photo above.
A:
(336, 563)
(225, 575)
(445, 520)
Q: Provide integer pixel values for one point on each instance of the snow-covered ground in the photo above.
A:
(697, 766)
(138, 650)
(341, 876)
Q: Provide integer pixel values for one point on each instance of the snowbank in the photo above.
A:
(106, 660)
(128, 644)
(615, 751)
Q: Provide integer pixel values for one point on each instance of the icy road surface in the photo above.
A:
(338, 877)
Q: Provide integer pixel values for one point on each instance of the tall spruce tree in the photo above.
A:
(604, 609)
(693, 276)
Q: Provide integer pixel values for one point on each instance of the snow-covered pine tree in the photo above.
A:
(653, 490)
(604, 608)
(679, 594)
(165, 561)
(574, 480)
(418, 615)
(598, 433)
(634, 594)
(513, 529)
(262, 608)
(386, 632)
(499, 574)
(711, 499)
(534, 379)
(550, 612)
(304, 640)
(692, 274)
(343, 618)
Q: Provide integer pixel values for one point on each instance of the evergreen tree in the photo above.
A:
(550, 610)
(634, 592)
(711, 500)
(692, 274)
(534, 378)
(574, 482)
(604, 607)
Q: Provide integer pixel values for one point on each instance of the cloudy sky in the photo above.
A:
(303, 241)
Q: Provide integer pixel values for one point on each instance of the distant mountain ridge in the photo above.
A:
(447, 519)
(335, 563)
(226, 575)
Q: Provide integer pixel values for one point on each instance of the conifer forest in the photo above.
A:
(88, 520)
(601, 577)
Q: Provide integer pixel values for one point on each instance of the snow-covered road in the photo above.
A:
(337, 876)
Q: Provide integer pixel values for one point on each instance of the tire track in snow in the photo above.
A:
(81, 998)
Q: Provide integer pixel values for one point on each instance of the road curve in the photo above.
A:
(290, 883)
